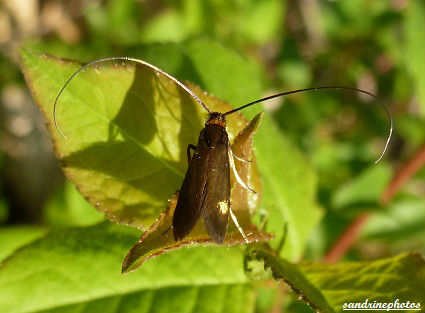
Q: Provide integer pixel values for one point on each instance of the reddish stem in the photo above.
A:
(403, 175)
(352, 232)
(347, 239)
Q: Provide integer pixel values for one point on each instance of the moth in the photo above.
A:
(205, 191)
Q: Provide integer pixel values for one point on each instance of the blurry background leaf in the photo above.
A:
(402, 223)
(415, 45)
(68, 207)
(412, 129)
(260, 20)
(365, 189)
(289, 190)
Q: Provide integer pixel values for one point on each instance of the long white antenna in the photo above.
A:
(123, 59)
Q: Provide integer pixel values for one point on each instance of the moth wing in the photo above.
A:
(215, 210)
(192, 193)
(206, 189)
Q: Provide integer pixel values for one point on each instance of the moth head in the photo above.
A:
(217, 119)
(214, 132)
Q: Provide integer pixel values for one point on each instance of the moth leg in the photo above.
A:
(235, 220)
(190, 147)
(238, 178)
(166, 231)
(240, 159)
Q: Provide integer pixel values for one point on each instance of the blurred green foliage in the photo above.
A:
(375, 45)
(4, 210)
(67, 207)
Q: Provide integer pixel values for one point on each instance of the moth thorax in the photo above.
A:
(217, 119)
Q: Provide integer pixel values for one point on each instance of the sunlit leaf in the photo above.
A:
(126, 142)
(78, 270)
(415, 45)
(12, 238)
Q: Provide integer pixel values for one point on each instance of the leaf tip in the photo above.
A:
(127, 264)
(125, 269)
(24, 56)
(257, 120)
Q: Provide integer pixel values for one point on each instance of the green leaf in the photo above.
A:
(400, 277)
(401, 223)
(415, 46)
(168, 26)
(289, 188)
(327, 287)
(79, 269)
(126, 142)
(266, 297)
(262, 20)
(366, 188)
(412, 129)
(215, 299)
(12, 238)
(68, 208)
(224, 73)
(291, 275)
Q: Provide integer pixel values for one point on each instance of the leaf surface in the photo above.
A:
(126, 142)
(414, 47)
(79, 269)
(326, 287)
(12, 238)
